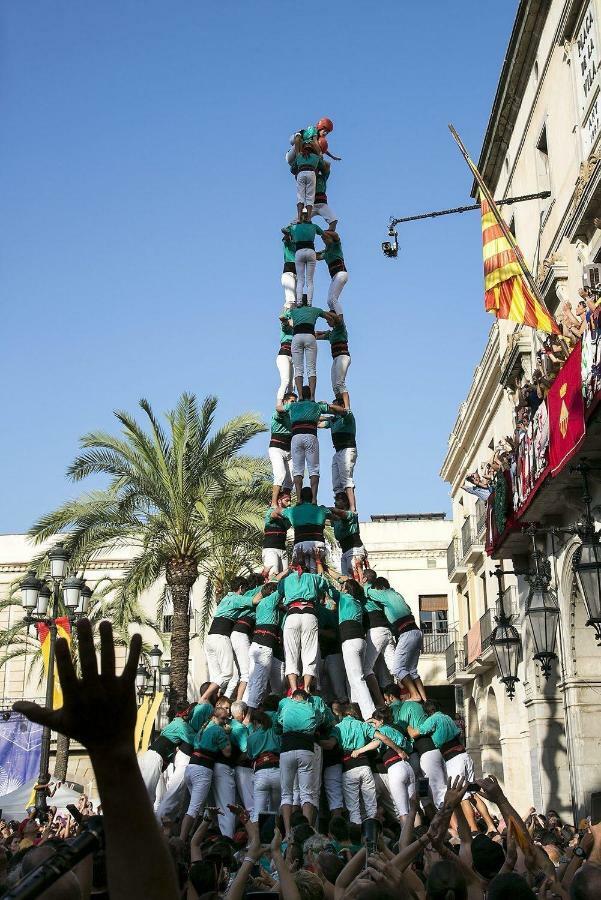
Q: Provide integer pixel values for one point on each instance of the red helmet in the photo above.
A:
(323, 144)
(325, 123)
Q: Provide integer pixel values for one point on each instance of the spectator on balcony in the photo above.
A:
(474, 484)
(570, 325)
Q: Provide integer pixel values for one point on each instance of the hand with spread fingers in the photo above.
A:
(99, 709)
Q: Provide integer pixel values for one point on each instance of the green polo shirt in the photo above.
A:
(440, 727)
(280, 423)
(311, 159)
(408, 712)
(352, 734)
(395, 735)
(349, 609)
(306, 410)
(339, 334)
(214, 738)
(321, 182)
(306, 514)
(263, 741)
(179, 731)
(239, 735)
(299, 716)
(305, 315)
(285, 336)
(289, 251)
(201, 714)
(394, 605)
(327, 716)
(347, 527)
(304, 231)
(268, 612)
(333, 251)
(305, 586)
(231, 605)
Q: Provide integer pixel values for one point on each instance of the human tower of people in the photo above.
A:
(313, 673)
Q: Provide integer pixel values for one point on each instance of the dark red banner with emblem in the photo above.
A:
(566, 412)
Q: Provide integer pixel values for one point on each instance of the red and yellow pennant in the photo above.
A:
(506, 291)
(63, 629)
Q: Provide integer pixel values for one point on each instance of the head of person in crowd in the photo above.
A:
(509, 886)
(238, 585)
(338, 709)
(271, 702)
(431, 707)
(586, 884)
(221, 713)
(290, 397)
(312, 847)
(381, 584)
(306, 495)
(204, 687)
(254, 580)
(268, 588)
(369, 576)
(353, 588)
(391, 693)
(238, 710)
(446, 881)
(338, 830)
(487, 856)
(329, 866)
(306, 392)
(341, 501)
(260, 720)
(382, 715)
(309, 885)
(353, 709)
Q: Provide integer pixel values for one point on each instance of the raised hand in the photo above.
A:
(490, 787)
(456, 790)
(99, 709)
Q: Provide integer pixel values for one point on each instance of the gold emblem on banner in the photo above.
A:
(564, 415)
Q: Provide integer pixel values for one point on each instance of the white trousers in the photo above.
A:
(353, 653)
(346, 560)
(463, 765)
(304, 349)
(241, 646)
(151, 767)
(317, 768)
(267, 792)
(332, 782)
(305, 187)
(358, 785)
(433, 766)
(302, 554)
(306, 261)
(334, 667)
(401, 783)
(407, 653)
(198, 781)
(280, 464)
(220, 660)
(274, 560)
(340, 366)
(300, 644)
(295, 763)
(175, 786)
(224, 788)
(284, 364)
(379, 640)
(263, 668)
(336, 284)
(325, 211)
(343, 467)
(289, 285)
(305, 450)
(244, 777)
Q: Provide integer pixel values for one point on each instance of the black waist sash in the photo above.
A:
(221, 625)
(298, 740)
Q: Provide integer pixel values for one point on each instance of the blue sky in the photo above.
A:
(143, 188)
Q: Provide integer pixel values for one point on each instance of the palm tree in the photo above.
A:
(177, 498)
(19, 639)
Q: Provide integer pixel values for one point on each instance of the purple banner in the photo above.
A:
(20, 750)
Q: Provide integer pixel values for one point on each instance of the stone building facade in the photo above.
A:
(543, 134)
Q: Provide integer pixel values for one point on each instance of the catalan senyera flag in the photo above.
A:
(63, 629)
(506, 291)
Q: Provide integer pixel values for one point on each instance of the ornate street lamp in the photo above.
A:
(165, 676)
(30, 592)
(59, 560)
(542, 608)
(72, 593)
(587, 559)
(141, 679)
(85, 595)
(505, 641)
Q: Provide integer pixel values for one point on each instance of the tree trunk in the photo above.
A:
(180, 576)
(61, 762)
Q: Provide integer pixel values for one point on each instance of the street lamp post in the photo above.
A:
(587, 559)
(505, 640)
(158, 678)
(542, 608)
(42, 604)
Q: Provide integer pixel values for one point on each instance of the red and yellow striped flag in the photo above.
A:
(506, 291)
(63, 629)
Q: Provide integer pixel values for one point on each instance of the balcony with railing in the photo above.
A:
(472, 545)
(477, 645)
(455, 567)
(436, 643)
(564, 427)
(455, 663)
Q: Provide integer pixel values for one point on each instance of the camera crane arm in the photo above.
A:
(391, 248)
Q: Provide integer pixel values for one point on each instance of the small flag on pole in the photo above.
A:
(506, 292)
(63, 630)
(510, 291)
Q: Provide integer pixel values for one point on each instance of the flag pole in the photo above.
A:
(501, 222)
